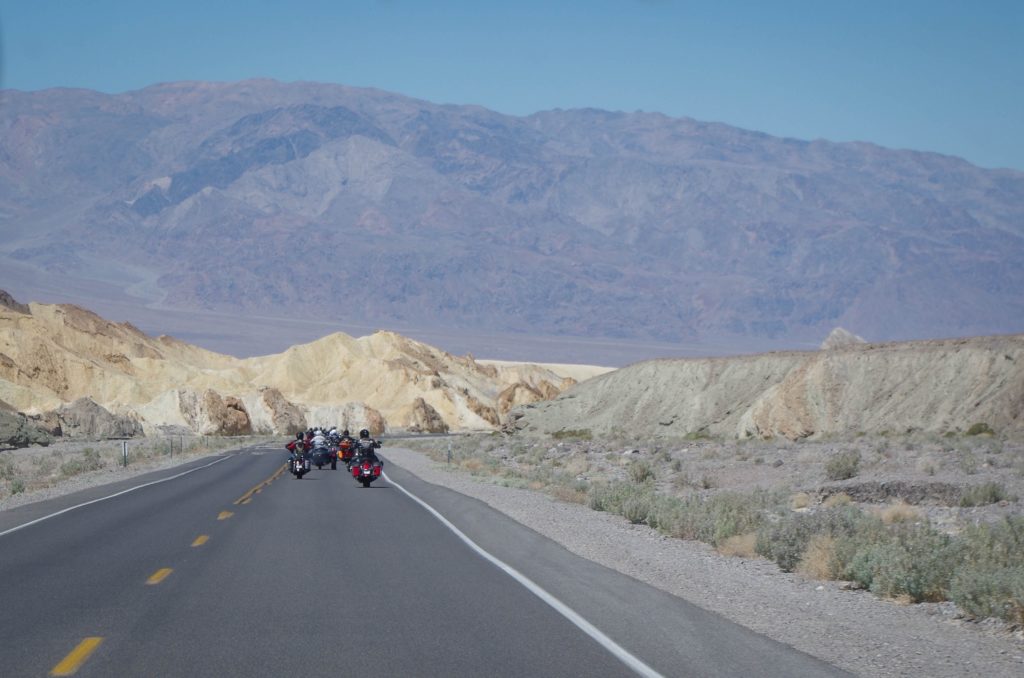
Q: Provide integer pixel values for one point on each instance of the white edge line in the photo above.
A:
(111, 496)
(620, 653)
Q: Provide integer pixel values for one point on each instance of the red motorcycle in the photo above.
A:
(367, 471)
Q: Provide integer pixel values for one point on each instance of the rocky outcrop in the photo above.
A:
(839, 338)
(352, 416)
(84, 418)
(516, 395)
(270, 412)
(422, 418)
(8, 302)
(935, 386)
(17, 430)
(485, 412)
(209, 413)
(49, 422)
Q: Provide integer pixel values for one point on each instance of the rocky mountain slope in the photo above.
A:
(260, 195)
(853, 388)
(66, 361)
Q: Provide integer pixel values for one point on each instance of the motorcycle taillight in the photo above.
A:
(376, 470)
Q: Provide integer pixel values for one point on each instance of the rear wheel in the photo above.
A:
(334, 465)
(365, 482)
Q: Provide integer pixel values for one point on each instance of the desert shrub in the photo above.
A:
(7, 470)
(575, 494)
(839, 499)
(981, 495)
(991, 592)
(786, 540)
(575, 433)
(979, 429)
(800, 500)
(819, 560)
(610, 497)
(843, 466)
(712, 519)
(640, 471)
(636, 508)
(17, 486)
(677, 465)
(740, 545)
(968, 463)
(918, 562)
(899, 512)
(716, 518)
(89, 461)
(990, 581)
(708, 482)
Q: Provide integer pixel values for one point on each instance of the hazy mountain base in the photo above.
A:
(790, 480)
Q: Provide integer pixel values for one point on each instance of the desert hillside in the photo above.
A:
(851, 388)
(54, 356)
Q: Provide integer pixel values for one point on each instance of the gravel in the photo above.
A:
(854, 630)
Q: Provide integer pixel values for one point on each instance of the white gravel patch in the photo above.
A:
(850, 629)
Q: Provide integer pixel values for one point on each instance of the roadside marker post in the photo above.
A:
(449, 453)
(124, 452)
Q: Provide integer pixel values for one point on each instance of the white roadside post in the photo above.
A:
(124, 452)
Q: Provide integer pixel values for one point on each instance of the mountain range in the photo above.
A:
(347, 205)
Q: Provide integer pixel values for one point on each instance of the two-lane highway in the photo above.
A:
(238, 569)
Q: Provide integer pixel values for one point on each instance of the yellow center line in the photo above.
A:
(158, 576)
(224, 515)
(256, 489)
(200, 540)
(76, 657)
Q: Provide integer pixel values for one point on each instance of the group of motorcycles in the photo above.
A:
(320, 449)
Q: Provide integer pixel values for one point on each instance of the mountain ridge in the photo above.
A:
(581, 222)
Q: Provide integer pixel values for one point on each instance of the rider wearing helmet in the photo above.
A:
(365, 448)
(297, 444)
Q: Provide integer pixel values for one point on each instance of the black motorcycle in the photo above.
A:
(298, 464)
(322, 456)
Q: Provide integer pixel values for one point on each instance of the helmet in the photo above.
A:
(364, 433)
(345, 432)
(299, 435)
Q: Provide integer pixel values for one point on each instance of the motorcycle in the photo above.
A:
(298, 465)
(367, 471)
(323, 456)
(346, 451)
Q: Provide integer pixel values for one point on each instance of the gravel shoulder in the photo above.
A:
(851, 629)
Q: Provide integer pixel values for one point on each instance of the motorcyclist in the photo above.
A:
(298, 449)
(346, 445)
(299, 443)
(365, 447)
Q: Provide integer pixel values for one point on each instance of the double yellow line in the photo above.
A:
(247, 497)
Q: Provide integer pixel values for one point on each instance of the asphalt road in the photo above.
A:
(234, 569)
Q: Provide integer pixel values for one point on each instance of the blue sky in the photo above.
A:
(941, 75)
